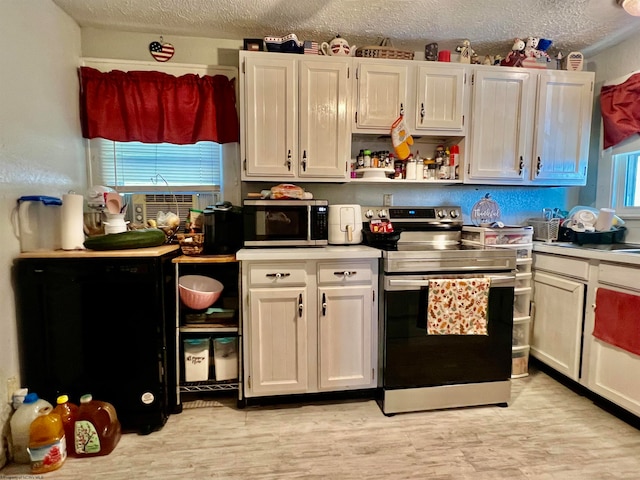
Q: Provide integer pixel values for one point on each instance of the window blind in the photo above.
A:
(139, 165)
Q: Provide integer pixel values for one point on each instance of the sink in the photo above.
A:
(603, 247)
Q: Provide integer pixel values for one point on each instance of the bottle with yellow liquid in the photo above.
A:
(47, 443)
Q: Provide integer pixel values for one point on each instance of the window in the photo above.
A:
(619, 178)
(136, 167)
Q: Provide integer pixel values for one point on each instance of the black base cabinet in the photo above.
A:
(103, 326)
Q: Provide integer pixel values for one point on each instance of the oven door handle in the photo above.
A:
(415, 283)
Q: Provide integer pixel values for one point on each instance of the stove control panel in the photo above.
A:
(424, 215)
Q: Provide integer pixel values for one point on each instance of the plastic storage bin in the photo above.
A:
(196, 359)
(521, 332)
(519, 362)
(225, 358)
(497, 236)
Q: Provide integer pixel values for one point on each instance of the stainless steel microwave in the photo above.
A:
(285, 223)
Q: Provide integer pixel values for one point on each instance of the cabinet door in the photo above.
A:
(270, 117)
(382, 95)
(563, 128)
(440, 99)
(502, 115)
(325, 135)
(344, 338)
(278, 341)
(557, 322)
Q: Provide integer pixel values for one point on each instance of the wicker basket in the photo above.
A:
(546, 230)
(384, 50)
(191, 243)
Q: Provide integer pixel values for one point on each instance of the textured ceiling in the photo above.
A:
(491, 25)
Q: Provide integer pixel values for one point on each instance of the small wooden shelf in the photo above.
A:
(205, 259)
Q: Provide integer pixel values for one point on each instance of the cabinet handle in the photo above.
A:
(421, 112)
(324, 304)
(289, 160)
(304, 161)
(346, 273)
(277, 275)
(402, 110)
(520, 165)
(538, 166)
(300, 305)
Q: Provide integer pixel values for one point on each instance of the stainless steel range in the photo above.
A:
(421, 371)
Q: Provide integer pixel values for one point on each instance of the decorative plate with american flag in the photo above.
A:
(161, 51)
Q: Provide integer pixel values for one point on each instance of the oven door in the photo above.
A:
(412, 358)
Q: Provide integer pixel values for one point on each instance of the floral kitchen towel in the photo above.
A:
(458, 306)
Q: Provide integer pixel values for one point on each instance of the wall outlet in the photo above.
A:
(387, 199)
(12, 386)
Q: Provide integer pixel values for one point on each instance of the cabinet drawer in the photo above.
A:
(619, 275)
(565, 266)
(278, 274)
(345, 272)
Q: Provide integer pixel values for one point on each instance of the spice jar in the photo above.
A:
(411, 168)
(367, 159)
(430, 169)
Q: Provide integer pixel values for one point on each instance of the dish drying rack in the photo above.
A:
(545, 230)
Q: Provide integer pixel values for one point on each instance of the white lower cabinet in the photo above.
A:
(610, 371)
(557, 322)
(311, 326)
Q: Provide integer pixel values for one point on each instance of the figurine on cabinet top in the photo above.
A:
(465, 51)
(515, 57)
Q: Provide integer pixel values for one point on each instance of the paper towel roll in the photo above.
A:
(605, 220)
(72, 222)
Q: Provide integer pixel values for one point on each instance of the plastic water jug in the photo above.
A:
(68, 413)
(39, 220)
(97, 429)
(21, 422)
(47, 443)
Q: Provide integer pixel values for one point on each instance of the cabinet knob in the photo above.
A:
(300, 306)
(421, 112)
(289, 160)
(277, 275)
(520, 165)
(402, 110)
(304, 161)
(324, 304)
(346, 273)
(538, 166)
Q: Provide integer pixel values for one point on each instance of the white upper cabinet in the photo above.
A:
(381, 94)
(502, 115)
(529, 127)
(294, 114)
(440, 99)
(563, 126)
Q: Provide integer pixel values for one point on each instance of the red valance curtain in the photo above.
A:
(620, 105)
(155, 107)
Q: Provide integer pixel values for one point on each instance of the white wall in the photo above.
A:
(611, 64)
(40, 140)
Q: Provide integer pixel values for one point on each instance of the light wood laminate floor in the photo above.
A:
(547, 432)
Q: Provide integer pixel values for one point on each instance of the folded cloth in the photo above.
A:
(617, 321)
(458, 306)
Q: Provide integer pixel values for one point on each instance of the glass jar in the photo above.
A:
(411, 169)
(367, 159)
(430, 169)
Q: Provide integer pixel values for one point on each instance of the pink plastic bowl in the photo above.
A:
(199, 292)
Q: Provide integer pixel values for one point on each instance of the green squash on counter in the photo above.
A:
(147, 237)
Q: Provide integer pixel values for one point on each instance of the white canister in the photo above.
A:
(411, 172)
(604, 221)
(115, 223)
